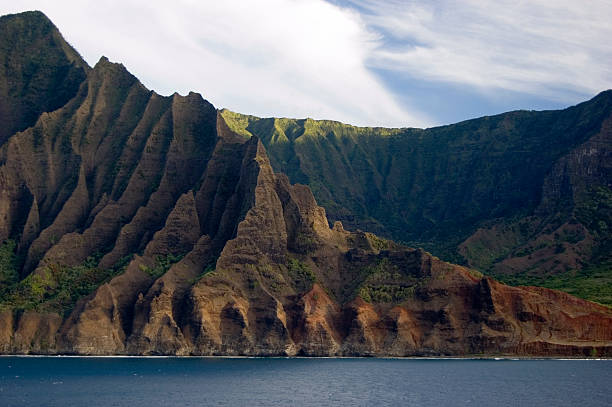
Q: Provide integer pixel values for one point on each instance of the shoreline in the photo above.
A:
(410, 358)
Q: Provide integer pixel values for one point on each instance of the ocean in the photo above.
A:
(136, 381)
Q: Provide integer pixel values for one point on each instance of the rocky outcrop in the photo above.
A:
(145, 225)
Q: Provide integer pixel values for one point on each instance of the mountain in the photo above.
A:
(39, 72)
(134, 223)
(523, 196)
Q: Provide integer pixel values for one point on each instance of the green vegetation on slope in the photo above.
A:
(434, 188)
(57, 288)
(430, 188)
(386, 283)
(162, 265)
(594, 211)
(8, 265)
(301, 275)
(593, 283)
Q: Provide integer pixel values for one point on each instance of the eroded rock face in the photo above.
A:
(288, 284)
(222, 256)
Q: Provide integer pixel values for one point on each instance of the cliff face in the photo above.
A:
(266, 275)
(139, 224)
(521, 196)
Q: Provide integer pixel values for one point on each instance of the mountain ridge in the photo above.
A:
(508, 159)
(138, 224)
(601, 94)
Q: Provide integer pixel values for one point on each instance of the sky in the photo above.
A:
(409, 63)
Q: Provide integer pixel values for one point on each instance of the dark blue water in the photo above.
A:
(62, 381)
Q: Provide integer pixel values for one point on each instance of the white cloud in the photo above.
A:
(292, 58)
(550, 48)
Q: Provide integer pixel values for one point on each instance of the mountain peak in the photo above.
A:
(39, 70)
(32, 16)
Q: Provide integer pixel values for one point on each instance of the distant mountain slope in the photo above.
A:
(522, 193)
(132, 223)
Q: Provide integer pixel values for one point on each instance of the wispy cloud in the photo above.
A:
(293, 58)
(551, 48)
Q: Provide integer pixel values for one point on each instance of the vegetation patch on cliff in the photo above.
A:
(386, 283)
(593, 283)
(57, 288)
(162, 265)
(300, 274)
(595, 212)
(8, 265)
